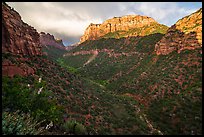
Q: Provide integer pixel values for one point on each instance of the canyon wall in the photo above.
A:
(185, 34)
(17, 36)
(49, 40)
(124, 23)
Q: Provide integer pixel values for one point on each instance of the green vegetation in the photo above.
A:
(144, 31)
(16, 123)
(61, 62)
(74, 127)
(17, 95)
(76, 61)
(157, 82)
(53, 53)
(177, 116)
(110, 66)
(115, 34)
(114, 93)
(82, 100)
(102, 82)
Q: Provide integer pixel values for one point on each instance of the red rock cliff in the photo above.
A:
(48, 39)
(17, 36)
(185, 34)
(94, 31)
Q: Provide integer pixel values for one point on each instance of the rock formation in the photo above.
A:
(49, 40)
(72, 46)
(125, 23)
(185, 34)
(59, 41)
(69, 47)
(10, 69)
(17, 36)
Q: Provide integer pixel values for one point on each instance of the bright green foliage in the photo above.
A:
(76, 61)
(62, 63)
(16, 95)
(53, 52)
(16, 123)
(102, 82)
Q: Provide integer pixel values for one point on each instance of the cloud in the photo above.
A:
(68, 20)
(164, 12)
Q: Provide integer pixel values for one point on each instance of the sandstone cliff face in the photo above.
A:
(124, 23)
(17, 36)
(49, 40)
(10, 69)
(185, 34)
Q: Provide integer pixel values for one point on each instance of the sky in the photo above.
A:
(68, 20)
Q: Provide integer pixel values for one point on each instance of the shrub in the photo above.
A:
(17, 95)
(17, 123)
(68, 126)
(74, 127)
(80, 129)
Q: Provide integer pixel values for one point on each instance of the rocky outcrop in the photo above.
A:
(59, 41)
(17, 36)
(125, 23)
(10, 69)
(49, 40)
(110, 52)
(70, 47)
(18, 39)
(185, 34)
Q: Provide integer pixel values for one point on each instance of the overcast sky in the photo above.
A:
(68, 20)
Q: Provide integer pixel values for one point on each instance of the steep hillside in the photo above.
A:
(80, 100)
(17, 35)
(185, 34)
(130, 25)
(110, 55)
(53, 52)
(166, 86)
(47, 99)
(20, 39)
(110, 86)
(69, 47)
(49, 40)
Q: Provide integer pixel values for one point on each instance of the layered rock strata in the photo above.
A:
(19, 42)
(124, 23)
(185, 34)
(17, 36)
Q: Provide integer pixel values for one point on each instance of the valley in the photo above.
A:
(141, 78)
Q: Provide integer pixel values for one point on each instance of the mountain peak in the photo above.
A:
(186, 33)
(49, 39)
(124, 23)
